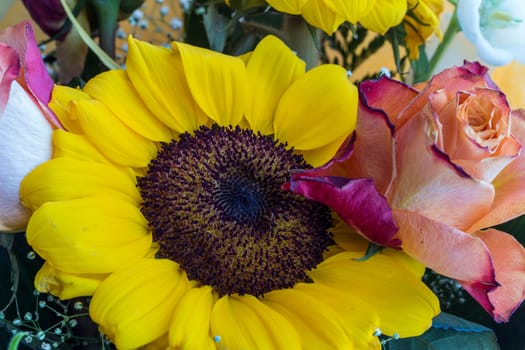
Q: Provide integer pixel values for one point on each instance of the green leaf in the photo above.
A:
(215, 25)
(449, 332)
(421, 66)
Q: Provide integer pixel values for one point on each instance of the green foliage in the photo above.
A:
(449, 332)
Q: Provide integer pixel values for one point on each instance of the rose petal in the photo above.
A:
(21, 38)
(9, 70)
(444, 249)
(356, 201)
(429, 184)
(509, 184)
(451, 80)
(481, 153)
(25, 142)
(377, 94)
(508, 256)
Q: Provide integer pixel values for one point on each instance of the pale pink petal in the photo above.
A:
(25, 141)
(356, 201)
(9, 70)
(444, 249)
(509, 184)
(22, 39)
(508, 256)
(428, 183)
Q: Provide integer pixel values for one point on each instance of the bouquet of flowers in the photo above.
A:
(262, 174)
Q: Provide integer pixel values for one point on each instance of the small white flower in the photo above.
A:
(495, 27)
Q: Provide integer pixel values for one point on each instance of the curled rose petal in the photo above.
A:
(509, 184)
(356, 201)
(508, 256)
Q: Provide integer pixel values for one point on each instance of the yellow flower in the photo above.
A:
(376, 15)
(164, 202)
(421, 21)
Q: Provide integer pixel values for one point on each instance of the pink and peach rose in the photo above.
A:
(26, 122)
(446, 157)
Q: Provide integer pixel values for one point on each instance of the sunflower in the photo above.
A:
(376, 15)
(163, 201)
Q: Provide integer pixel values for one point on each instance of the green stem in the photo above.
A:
(452, 29)
(301, 39)
(104, 58)
(106, 13)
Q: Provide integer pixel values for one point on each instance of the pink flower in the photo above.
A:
(447, 159)
(26, 123)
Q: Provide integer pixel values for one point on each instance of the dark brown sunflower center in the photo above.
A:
(215, 205)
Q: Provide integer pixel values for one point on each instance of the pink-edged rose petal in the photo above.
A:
(377, 94)
(509, 184)
(428, 183)
(35, 76)
(508, 256)
(449, 81)
(356, 201)
(444, 249)
(373, 154)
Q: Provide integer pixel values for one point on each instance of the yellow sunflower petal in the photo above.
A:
(60, 103)
(320, 156)
(348, 239)
(217, 82)
(244, 322)
(114, 89)
(317, 109)
(318, 325)
(190, 327)
(404, 304)
(66, 285)
(288, 6)
(66, 178)
(385, 15)
(350, 10)
(355, 314)
(114, 139)
(93, 235)
(157, 75)
(271, 69)
(134, 306)
(68, 144)
(321, 16)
